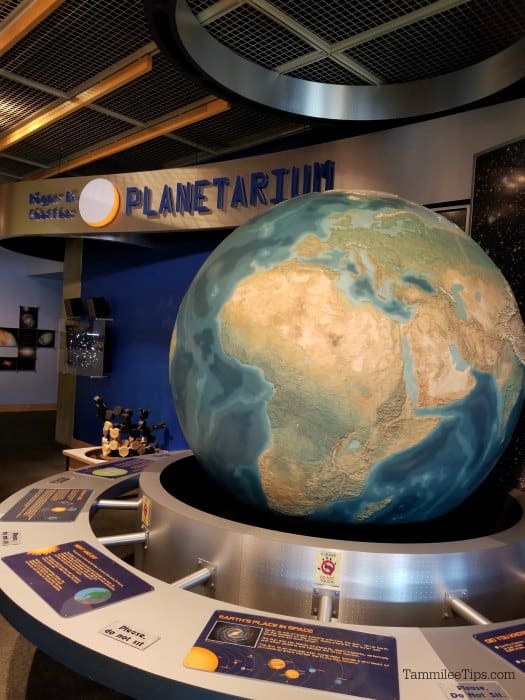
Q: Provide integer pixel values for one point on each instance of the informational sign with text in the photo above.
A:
(74, 578)
(129, 634)
(341, 661)
(506, 642)
(474, 691)
(48, 505)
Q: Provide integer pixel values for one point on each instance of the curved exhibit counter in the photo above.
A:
(64, 590)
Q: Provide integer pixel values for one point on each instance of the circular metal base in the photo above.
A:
(399, 583)
(276, 570)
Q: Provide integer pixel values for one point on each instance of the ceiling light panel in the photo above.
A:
(74, 133)
(162, 91)
(446, 42)
(327, 71)
(339, 20)
(111, 145)
(18, 102)
(77, 41)
(258, 38)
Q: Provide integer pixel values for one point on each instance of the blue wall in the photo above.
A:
(144, 288)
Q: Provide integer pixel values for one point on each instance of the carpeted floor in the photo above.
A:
(30, 453)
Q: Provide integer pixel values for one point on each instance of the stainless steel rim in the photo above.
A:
(315, 100)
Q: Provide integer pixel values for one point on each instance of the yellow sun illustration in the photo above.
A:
(202, 659)
(44, 550)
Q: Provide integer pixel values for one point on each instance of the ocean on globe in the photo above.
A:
(349, 357)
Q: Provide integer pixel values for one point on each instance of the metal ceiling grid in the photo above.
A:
(61, 139)
(239, 123)
(86, 39)
(7, 6)
(156, 154)
(28, 150)
(158, 93)
(78, 40)
(16, 169)
(336, 21)
(197, 6)
(17, 102)
(443, 43)
(327, 71)
(257, 37)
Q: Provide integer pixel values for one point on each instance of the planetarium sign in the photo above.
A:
(258, 188)
(222, 195)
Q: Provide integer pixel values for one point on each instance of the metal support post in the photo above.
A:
(325, 603)
(459, 607)
(205, 573)
(117, 504)
(128, 538)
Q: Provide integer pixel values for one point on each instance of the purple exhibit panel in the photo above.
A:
(298, 654)
(116, 469)
(74, 578)
(507, 642)
(48, 505)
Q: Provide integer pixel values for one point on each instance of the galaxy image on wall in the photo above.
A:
(498, 225)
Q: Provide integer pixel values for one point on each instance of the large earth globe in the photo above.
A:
(348, 357)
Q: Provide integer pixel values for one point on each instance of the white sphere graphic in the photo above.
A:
(99, 202)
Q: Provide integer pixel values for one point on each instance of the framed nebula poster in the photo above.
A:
(498, 225)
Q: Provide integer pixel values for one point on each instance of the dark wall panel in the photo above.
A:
(498, 225)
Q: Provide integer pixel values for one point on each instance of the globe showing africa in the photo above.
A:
(349, 357)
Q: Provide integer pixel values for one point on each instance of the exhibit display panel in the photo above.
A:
(266, 608)
(341, 589)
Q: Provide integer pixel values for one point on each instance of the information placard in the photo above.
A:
(507, 642)
(342, 661)
(474, 691)
(118, 468)
(10, 537)
(131, 635)
(74, 578)
(48, 505)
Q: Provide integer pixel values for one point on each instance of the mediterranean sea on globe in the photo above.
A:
(349, 357)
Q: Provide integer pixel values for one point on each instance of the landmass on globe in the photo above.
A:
(349, 357)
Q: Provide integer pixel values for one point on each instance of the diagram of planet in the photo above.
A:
(110, 471)
(7, 339)
(292, 674)
(92, 596)
(45, 338)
